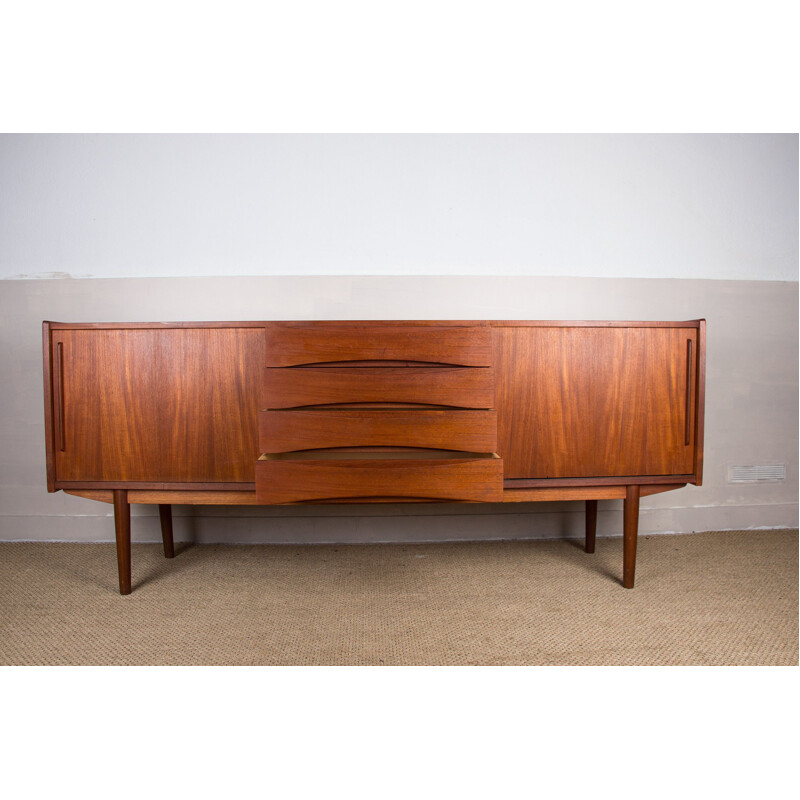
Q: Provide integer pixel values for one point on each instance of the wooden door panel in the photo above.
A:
(586, 402)
(168, 405)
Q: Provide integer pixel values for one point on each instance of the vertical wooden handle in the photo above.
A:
(688, 413)
(58, 395)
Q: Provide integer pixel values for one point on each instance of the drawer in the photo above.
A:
(474, 431)
(295, 344)
(303, 477)
(463, 387)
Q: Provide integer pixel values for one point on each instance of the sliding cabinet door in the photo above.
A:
(577, 402)
(171, 405)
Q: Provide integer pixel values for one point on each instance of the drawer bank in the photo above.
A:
(246, 413)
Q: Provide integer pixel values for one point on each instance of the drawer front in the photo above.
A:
(294, 345)
(282, 480)
(461, 387)
(473, 431)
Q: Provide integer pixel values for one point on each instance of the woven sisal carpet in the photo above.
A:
(710, 598)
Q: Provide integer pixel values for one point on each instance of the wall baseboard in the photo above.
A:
(544, 521)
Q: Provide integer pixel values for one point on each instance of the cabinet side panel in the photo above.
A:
(47, 369)
(700, 401)
(592, 402)
(172, 405)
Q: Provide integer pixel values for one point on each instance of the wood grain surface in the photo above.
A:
(153, 405)
(586, 402)
(290, 345)
(465, 478)
(463, 387)
(474, 431)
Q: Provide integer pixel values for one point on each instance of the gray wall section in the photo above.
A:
(751, 398)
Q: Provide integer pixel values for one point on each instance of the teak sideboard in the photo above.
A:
(246, 413)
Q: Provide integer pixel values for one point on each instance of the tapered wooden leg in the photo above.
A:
(122, 526)
(630, 533)
(591, 525)
(165, 512)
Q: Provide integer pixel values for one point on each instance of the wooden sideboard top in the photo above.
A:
(692, 323)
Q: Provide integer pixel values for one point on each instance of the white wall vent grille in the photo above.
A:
(757, 474)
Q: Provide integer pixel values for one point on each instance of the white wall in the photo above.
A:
(718, 206)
